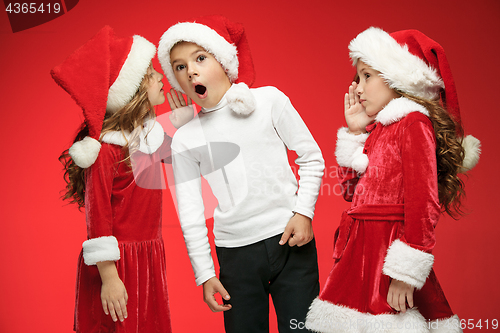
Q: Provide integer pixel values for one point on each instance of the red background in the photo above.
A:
(300, 47)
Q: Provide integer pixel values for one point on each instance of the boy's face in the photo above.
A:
(199, 74)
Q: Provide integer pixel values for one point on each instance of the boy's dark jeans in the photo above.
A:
(250, 273)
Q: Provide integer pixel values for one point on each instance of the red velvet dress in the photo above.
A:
(388, 232)
(116, 206)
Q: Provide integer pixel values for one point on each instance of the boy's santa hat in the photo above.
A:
(227, 42)
(102, 76)
(412, 63)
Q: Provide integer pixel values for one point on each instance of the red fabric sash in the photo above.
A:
(376, 213)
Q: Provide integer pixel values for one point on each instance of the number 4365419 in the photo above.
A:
(26, 8)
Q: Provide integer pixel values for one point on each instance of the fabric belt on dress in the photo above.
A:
(375, 213)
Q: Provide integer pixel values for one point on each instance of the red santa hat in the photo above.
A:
(102, 76)
(226, 41)
(413, 63)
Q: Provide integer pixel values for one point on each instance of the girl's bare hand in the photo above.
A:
(399, 294)
(355, 113)
(182, 112)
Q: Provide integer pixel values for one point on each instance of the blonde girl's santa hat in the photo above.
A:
(413, 63)
(102, 76)
(227, 42)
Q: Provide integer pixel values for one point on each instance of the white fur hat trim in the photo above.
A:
(131, 74)
(401, 69)
(223, 51)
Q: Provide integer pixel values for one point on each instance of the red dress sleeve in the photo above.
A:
(101, 244)
(409, 258)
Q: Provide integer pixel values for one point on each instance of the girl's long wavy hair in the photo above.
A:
(449, 154)
(129, 119)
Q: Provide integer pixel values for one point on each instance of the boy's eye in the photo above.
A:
(367, 75)
(201, 57)
(179, 67)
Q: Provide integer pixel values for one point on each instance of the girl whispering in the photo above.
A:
(399, 159)
(121, 279)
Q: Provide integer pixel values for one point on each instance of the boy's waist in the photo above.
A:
(252, 229)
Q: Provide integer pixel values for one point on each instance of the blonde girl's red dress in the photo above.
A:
(126, 204)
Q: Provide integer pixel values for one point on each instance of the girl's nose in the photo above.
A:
(359, 89)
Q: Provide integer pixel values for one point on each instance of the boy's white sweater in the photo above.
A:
(244, 159)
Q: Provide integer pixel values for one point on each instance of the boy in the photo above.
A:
(238, 142)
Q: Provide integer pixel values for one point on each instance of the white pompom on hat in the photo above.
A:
(226, 41)
(102, 75)
(413, 63)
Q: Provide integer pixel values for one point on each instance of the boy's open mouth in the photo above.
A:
(200, 89)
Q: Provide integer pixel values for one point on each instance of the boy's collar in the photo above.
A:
(222, 103)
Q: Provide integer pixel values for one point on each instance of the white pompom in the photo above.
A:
(240, 99)
(472, 147)
(85, 152)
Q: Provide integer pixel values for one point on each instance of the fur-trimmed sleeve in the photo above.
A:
(409, 259)
(349, 150)
(101, 245)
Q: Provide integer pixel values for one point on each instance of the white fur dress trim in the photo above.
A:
(397, 109)
(326, 317)
(100, 249)
(407, 264)
(151, 137)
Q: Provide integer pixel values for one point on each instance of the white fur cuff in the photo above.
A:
(349, 150)
(100, 249)
(407, 264)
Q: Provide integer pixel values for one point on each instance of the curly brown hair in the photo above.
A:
(449, 154)
(129, 119)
